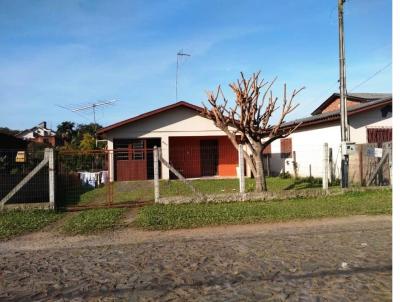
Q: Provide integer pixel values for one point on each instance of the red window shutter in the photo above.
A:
(379, 135)
(286, 147)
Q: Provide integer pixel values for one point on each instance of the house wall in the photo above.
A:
(308, 145)
(360, 122)
(335, 105)
(176, 122)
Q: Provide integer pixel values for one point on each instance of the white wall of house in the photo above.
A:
(369, 119)
(179, 121)
(308, 145)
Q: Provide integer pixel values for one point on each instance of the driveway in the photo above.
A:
(321, 260)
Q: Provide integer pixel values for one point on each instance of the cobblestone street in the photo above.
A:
(346, 259)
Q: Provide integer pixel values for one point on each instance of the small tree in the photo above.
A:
(87, 143)
(248, 122)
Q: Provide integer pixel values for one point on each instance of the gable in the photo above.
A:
(174, 122)
(335, 105)
(150, 114)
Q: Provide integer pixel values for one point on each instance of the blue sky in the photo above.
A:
(75, 52)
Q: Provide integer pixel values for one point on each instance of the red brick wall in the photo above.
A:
(50, 140)
(335, 105)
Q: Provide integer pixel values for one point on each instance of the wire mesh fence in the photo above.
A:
(207, 167)
(125, 176)
(15, 165)
(82, 178)
(104, 177)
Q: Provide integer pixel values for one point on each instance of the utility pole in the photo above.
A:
(343, 101)
(179, 54)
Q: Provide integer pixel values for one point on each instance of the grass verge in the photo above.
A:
(92, 221)
(142, 190)
(164, 217)
(18, 222)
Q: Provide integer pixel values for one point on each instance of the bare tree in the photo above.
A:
(248, 122)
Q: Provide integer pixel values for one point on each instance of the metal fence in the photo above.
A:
(98, 178)
(125, 176)
(207, 168)
(15, 166)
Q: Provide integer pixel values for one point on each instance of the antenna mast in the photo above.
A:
(179, 54)
(93, 107)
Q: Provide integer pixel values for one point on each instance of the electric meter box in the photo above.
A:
(348, 148)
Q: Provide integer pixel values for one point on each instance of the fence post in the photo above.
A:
(331, 168)
(52, 184)
(156, 178)
(241, 170)
(326, 166)
(390, 163)
(295, 165)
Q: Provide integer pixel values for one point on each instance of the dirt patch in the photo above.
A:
(54, 239)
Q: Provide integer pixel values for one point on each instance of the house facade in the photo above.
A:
(195, 147)
(39, 134)
(192, 144)
(369, 119)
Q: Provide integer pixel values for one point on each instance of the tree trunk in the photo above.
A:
(261, 185)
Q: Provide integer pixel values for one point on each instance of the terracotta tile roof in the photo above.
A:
(335, 115)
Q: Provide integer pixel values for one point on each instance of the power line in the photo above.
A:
(371, 77)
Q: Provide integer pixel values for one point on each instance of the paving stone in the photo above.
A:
(263, 267)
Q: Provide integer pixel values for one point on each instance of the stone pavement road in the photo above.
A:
(347, 259)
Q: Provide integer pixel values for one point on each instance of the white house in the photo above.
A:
(190, 142)
(39, 134)
(370, 121)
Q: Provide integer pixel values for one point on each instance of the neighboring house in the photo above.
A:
(39, 134)
(190, 142)
(369, 119)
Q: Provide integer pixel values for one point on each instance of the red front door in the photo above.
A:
(130, 159)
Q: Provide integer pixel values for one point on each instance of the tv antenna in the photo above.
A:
(91, 106)
(179, 54)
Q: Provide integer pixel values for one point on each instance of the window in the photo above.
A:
(129, 149)
(286, 147)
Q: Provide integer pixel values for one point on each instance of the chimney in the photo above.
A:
(42, 125)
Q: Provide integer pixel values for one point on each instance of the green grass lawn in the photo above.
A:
(92, 221)
(164, 217)
(128, 191)
(18, 222)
